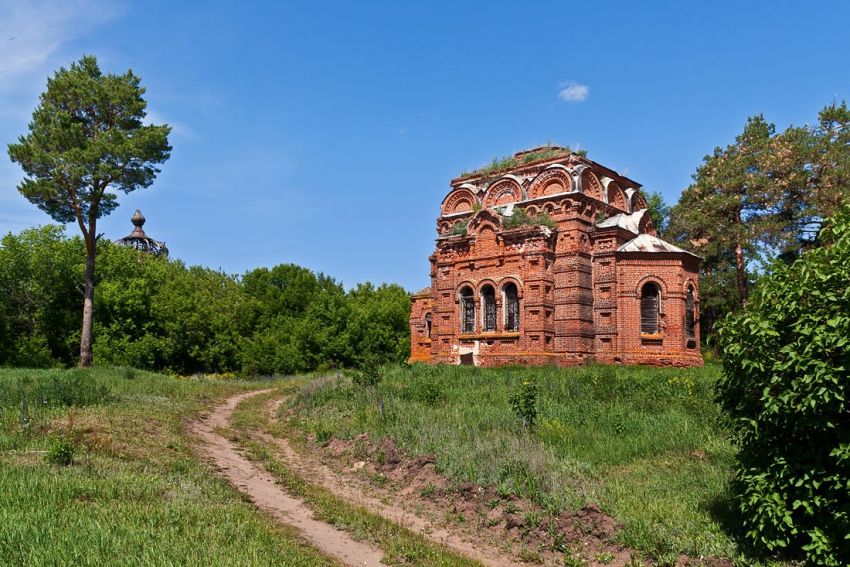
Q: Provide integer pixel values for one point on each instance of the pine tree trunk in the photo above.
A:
(88, 305)
(741, 269)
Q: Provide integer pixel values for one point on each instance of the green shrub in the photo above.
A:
(786, 387)
(61, 452)
(524, 402)
(520, 217)
(369, 375)
(460, 228)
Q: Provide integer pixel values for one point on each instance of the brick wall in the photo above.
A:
(579, 297)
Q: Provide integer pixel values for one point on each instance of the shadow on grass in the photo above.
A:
(724, 510)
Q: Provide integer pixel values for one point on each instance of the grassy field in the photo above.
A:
(135, 492)
(645, 444)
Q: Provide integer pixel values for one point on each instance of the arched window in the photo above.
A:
(511, 307)
(467, 311)
(428, 325)
(650, 300)
(488, 302)
(690, 314)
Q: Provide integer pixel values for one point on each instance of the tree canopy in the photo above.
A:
(159, 314)
(762, 197)
(86, 139)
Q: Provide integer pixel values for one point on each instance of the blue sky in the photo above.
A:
(325, 134)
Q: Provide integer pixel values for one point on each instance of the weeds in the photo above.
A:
(619, 437)
(61, 452)
(523, 402)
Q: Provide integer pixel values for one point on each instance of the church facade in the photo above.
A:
(554, 260)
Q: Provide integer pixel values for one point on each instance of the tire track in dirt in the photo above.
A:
(345, 488)
(267, 495)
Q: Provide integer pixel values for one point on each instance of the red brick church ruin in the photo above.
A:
(554, 260)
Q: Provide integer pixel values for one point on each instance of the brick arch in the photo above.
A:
(651, 278)
(532, 210)
(590, 185)
(460, 286)
(616, 197)
(551, 181)
(565, 205)
(646, 226)
(459, 201)
(638, 202)
(486, 281)
(484, 218)
(503, 191)
(511, 279)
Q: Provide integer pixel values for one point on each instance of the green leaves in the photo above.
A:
(87, 136)
(785, 386)
(765, 196)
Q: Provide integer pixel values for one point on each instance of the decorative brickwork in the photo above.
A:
(509, 292)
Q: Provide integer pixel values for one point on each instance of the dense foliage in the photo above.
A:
(760, 198)
(786, 386)
(87, 137)
(160, 314)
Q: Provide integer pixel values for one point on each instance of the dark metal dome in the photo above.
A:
(141, 241)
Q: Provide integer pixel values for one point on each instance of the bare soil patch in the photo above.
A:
(523, 527)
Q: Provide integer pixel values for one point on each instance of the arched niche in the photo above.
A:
(485, 218)
(459, 201)
(646, 226)
(616, 196)
(551, 181)
(503, 191)
(638, 202)
(590, 185)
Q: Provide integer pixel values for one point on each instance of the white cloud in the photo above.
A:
(35, 37)
(32, 32)
(574, 92)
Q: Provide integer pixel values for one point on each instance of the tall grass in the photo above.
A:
(136, 493)
(646, 444)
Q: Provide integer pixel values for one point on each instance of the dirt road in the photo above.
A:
(261, 488)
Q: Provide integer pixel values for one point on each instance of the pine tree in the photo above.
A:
(86, 139)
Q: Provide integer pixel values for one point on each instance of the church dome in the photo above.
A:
(141, 241)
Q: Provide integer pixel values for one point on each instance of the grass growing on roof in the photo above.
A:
(646, 444)
(135, 493)
(505, 163)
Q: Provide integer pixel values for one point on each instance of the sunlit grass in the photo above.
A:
(646, 444)
(136, 493)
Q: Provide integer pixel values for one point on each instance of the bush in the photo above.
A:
(524, 402)
(61, 452)
(520, 217)
(159, 314)
(367, 376)
(460, 228)
(786, 388)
